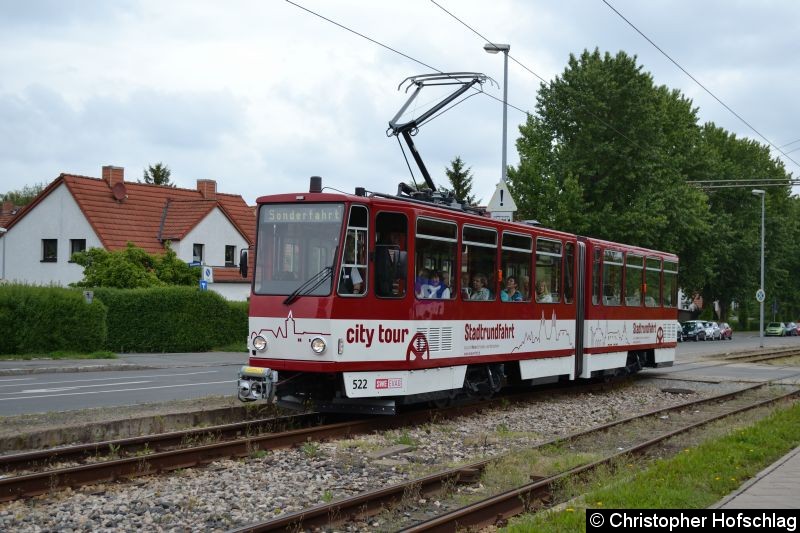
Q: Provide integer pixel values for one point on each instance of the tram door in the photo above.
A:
(580, 300)
(391, 255)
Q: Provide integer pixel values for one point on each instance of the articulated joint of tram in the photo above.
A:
(256, 383)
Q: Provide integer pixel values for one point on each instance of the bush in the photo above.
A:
(171, 319)
(47, 319)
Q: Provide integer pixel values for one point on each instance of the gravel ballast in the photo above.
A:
(231, 493)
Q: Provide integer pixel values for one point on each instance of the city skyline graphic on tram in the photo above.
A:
(283, 332)
(551, 333)
(602, 336)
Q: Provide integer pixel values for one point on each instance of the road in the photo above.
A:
(159, 378)
(148, 378)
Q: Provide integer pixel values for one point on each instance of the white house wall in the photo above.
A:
(56, 217)
(235, 292)
(215, 231)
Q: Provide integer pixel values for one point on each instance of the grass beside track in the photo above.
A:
(58, 355)
(695, 478)
(104, 354)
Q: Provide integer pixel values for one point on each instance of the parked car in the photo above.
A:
(694, 330)
(798, 327)
(791, 329)
(679, 332)
(775, 329)
(726, 331)
(712, 331)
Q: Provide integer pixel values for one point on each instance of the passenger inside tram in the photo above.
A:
(510, 293)
(479, 291)
(542, 293)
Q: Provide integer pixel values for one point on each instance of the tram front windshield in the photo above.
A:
(297, 245)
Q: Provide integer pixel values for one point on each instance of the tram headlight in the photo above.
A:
(260, 344)
(318, 345)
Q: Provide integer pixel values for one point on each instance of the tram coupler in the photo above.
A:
(256, 383)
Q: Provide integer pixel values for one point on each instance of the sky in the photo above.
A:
(260, 95)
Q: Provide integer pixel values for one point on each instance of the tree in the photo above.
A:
(132, 267)
(733, 272)
(158, 174)
(23, 196)
(461, 181)
(608, 154)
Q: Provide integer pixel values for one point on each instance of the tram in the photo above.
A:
(367, 302)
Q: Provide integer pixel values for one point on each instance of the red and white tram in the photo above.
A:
(366, 302)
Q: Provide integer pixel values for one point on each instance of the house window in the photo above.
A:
(197, 253)
(230, 255)
(75, 246)
(49, 250)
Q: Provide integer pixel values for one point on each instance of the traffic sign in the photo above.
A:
(761, 295)
(203, 285)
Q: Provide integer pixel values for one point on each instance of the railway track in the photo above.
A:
(515, 501)
(756, 356)
(141, 456)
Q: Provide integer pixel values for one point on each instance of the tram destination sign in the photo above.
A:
(302, 213)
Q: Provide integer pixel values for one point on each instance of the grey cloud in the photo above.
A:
(41, 125)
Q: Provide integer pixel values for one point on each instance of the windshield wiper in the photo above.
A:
(309, 286)
(313, 282)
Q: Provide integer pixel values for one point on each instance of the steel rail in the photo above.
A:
(368, 503)
(151, 443)
(37, 483)
(497, 509)
(120, 448)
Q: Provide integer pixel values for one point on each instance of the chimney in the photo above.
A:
(113, 175)
(208, 189)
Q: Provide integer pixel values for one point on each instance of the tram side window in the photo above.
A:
(596, 280)
(652, 288)
(670, 284)
(612, 277)
(569, 272)
(436, 244)
(391, 233)
(515, 264)
(353, 274)
(548, 271)
(478, 264)
(634, 268)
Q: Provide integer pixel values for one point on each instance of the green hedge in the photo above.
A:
(48, 319)
(171, 319)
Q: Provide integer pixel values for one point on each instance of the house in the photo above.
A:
(75, 213)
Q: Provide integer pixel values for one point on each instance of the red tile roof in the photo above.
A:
(147, 214)
(230, 275)
(180, 216)
(8, 212)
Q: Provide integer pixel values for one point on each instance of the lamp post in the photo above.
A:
(762, 194)
(493, 49)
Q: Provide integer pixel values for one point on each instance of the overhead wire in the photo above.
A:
(473, 30)
(526, 112)
(734, 113)
(398, 52)
(518, 62)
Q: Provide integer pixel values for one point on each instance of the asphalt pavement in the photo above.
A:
(40, 386)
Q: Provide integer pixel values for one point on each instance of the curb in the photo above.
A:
(755, 479)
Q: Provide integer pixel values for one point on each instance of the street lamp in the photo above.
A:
(493, 49)
(762, 194)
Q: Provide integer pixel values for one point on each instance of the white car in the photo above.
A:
(713, 333)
